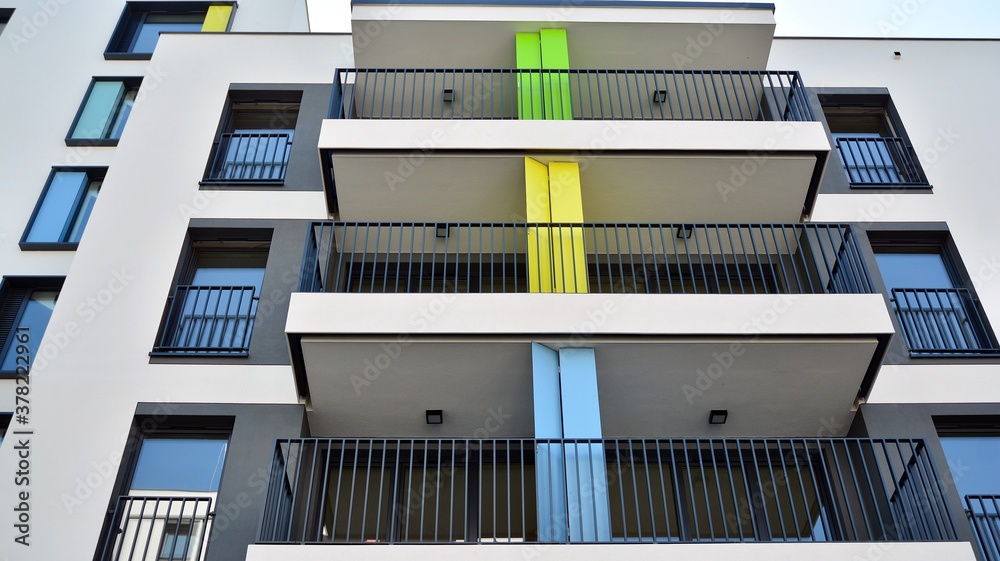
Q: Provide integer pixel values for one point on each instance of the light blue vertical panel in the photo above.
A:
(99, 110)
(58, 207)
(580, 406)
(549, 463)
(586, 473)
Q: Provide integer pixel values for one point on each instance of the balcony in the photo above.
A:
(942, 322)
(385, 307)
(984, 514)
(653, 145)
(157, 528)
(606, 34)
(879, 162)
(250, 158)
(614, 491)
(202, 320)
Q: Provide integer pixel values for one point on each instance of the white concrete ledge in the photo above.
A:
(881, 551)
(835, 315)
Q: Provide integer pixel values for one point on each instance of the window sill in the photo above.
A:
(201, 354)
(48, 246)
(91, 142)
(127, 56)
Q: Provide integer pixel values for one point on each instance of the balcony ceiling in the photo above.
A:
(470, 354)
(481, 36)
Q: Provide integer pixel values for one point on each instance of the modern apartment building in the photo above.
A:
(504, 280)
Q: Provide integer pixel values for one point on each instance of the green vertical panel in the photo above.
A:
(555, 56)
(99, 110)
(529, 84)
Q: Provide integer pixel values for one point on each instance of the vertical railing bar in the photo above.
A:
(704, 489)
(756, 465)
(788, 488)
(718, 485)
(746, 256)
(726, 453)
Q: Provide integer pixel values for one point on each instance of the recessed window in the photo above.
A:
(142, 23)
(104, 111)
(255, 139)
(63, 209)
(179, 463)
(937, 313)
(212, 309)
(26, 304)
(5, 14)
(871, 144)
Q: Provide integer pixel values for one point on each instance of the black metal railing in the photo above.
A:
(250, 157)
(942, 321)
(160, 528)
(209, 319)
(984, 514)
(605, 491)
(602, 258)
(495, 93)
(879, 161)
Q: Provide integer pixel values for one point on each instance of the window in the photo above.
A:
(63, 208)
(870, 142)
(255, 139)
(972, 448)
(4, 425)
(26, 304)
(5, 14)
(938, 315)
(212, 310)
(167, 505)
(104, 111)
(141, 23)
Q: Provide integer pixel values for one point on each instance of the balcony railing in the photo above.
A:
(158, 529)
(209, 319)
(384, 491)
(250, 157)
(984, 514)
(680, 95)
(876, 162)
(598, 258)
(942, 321)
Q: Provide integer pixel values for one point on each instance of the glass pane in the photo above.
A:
(35, 318)
(175, 541)
(83, 215)
(124, 110)
(149, 33)
(229, 268)
(57, 209)
(99, 110)
(974, 462)
(913, 270)
(180, 464)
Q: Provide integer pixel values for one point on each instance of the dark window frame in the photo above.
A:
(868, 104)
(245, 240)
(940, 243)
(246, 100)
(130, 83)
(93, 174)
(5, 16)
(134, 15)
(9, 319)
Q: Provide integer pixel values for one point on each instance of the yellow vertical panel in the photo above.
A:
(569, 256)
(217, 19)
(536, 184)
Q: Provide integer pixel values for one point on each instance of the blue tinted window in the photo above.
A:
(149, 33)
(64, 208)
(33, 320)
(180, 464)
(913, 270)
(974, 462)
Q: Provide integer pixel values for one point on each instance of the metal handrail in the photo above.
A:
(619, 94)
(209, 319)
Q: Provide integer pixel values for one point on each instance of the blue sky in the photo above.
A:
(888, 18)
